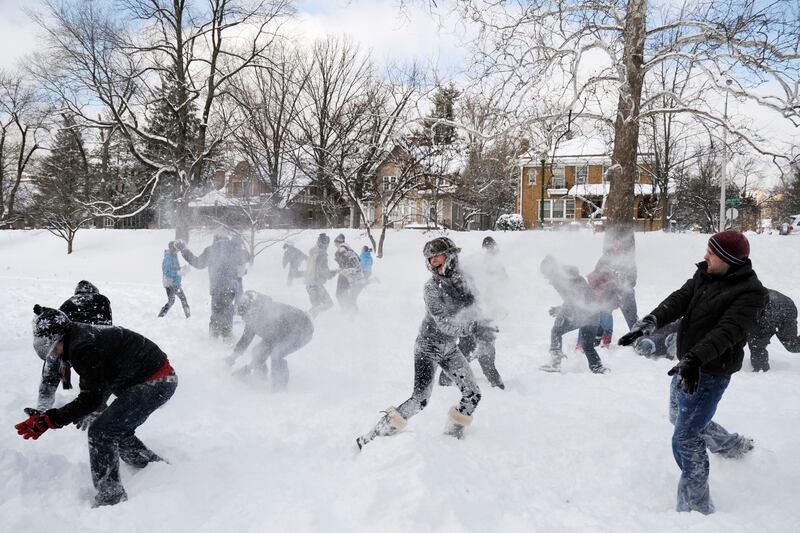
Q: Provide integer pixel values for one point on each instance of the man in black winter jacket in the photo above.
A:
(109, 360)
(87, 306)
(283, 329)
(225, 261)
(779, 318)
(719, 307)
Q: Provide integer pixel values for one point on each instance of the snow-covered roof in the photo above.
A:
(602, 189)
(215, 198)
(577, 151)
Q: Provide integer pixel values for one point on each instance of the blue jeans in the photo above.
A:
(605, 324)
(694, 431)
(586, 334)
(112, 435)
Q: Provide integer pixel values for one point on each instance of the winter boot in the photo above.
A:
(555, 361)
(110, 497)
(391, 423)
(163, 312)
(456, 422)
(186, 311)
(600, 369)
(745, 445)
(605, 341)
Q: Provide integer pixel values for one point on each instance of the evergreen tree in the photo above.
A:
(64, 184)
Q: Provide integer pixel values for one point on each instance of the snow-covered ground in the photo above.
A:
(553, 452)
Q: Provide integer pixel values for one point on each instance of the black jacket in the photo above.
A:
(109, 359)
(224, 258)
(718, 313)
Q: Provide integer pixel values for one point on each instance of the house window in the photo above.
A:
(558, 181)
(559, 209)
(581, 174)
(532, 176)
(389, 182)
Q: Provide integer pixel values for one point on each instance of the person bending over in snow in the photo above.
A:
(109, 360)
(450, 315)
(87, 306)
(779, 318)
(579, 310)
(224, 259)
(350, 280)
(317, 274)
(293, 258)
(720, 306)
(283, 330)
(171, 276)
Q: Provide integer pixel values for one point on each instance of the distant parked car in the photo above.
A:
(790, 225)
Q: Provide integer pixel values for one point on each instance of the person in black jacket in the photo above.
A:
(87, 306)
(780, 319)
(109, 360)
(283, 329)
(719, 307)
(224, 260)
(293, 258)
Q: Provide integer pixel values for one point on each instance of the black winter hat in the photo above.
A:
(49, 326)
(85, 287)
(440, 246)
(339, 239)
(323, 240)
(489, 242)
(731, 246)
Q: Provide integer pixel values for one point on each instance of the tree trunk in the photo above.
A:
(181, 220)
(70, 238)
(626, 126)
(379, 250)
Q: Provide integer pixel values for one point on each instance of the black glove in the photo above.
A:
(485, 330)
(688, 370)
(554, 310)
(642, 328)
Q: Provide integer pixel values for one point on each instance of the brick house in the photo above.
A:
(575, 188)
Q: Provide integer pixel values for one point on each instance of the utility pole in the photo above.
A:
(723, 177)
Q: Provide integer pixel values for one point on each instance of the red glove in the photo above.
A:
(34, 426)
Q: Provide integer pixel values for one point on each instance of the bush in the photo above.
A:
(510, 222)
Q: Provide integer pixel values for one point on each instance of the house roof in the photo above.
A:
(577, 151)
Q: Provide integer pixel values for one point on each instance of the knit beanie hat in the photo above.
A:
(49, 327)
(731, 246)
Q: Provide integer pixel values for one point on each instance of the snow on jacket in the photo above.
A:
(577, 296)
(450, 310)
(293, 256)
(273, 321)
(171, 269)
(88, 306)
(317, 270)
(717, 314)
(224, 259)
(622, 265)
(109, 360)
(349, 263)
(366, 261)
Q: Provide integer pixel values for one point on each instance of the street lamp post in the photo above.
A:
(724, 170)
(541, 197)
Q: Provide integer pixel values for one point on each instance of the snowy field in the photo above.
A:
(553, 452)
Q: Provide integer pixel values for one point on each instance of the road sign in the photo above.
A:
(731, 213)
(730, 202)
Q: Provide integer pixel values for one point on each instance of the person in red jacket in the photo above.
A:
(109, 360)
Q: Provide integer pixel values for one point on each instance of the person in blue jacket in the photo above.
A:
(365, 258)
(171, 269)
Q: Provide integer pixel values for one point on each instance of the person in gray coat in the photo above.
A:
(317, 274)
(450, 315)
(223, 258)
(283, 329)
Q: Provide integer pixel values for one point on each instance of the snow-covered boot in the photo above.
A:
(555, 361)
(391, 422)
(456, 422)
(600, 369)
(163, 312)
(186, 311)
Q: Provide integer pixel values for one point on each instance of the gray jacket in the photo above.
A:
(450, 310)
(224, 259)
(272, 321)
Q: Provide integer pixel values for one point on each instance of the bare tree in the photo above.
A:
(597, 57)
(23, 117)
(124, 56)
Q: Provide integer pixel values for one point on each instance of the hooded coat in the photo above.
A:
(223, 258)
(88, 306)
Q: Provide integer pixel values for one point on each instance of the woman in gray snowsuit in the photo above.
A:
(450, 315)
(283, 329)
